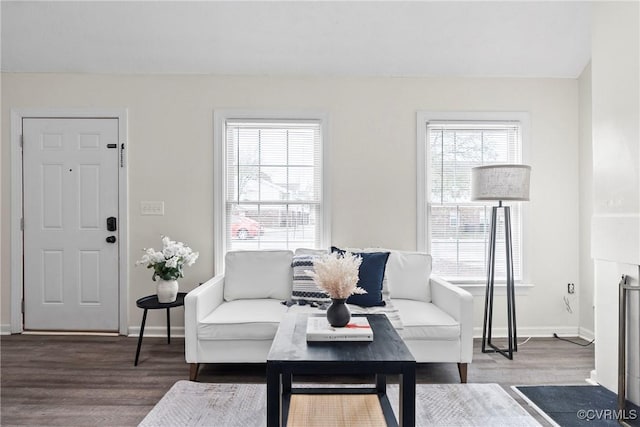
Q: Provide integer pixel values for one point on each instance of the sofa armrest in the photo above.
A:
(458, 303)
(197, 305)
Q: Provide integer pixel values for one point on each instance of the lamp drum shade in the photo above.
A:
(500, 182)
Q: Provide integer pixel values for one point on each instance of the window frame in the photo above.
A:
(220, 118)
(423, 184)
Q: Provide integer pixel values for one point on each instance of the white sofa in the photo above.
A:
(233, 318)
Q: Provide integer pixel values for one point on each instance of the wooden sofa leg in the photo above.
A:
(462, 370)
(193, 371)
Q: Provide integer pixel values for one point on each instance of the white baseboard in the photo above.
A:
(531, 331)
(586, 334)
(134, 331)
(72, 333)
(156, 331)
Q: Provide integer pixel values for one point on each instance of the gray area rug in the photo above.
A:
(189, 403)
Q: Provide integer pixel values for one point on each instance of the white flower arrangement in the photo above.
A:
(337, 275)
(168, 263)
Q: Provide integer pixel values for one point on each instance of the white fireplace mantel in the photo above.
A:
(615, 225)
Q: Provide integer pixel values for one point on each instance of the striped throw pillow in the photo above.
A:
(304, 288)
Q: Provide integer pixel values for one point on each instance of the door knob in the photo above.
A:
(111, 239)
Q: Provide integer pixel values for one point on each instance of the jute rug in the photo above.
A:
(244, 405)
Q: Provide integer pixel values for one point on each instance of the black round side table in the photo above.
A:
(150, 302)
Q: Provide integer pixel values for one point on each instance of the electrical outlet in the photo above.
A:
(571, 288)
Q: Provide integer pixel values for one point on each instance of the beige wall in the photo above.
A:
(372, 134)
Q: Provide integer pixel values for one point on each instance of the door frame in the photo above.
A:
(17, 247)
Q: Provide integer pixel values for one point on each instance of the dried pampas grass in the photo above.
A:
(337, 274)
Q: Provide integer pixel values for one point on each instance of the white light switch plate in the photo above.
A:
(151, 208)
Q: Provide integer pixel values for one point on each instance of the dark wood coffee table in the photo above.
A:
(291, 355)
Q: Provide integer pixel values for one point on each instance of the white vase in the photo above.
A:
(167, 290)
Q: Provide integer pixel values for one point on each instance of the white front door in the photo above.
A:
(70, 179)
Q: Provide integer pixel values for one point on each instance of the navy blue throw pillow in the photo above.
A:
(370, 278)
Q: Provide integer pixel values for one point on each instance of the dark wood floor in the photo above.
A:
(80, 380)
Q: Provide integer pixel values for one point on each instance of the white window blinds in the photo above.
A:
(459, 228)
(273, 184)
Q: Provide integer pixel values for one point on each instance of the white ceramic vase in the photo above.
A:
(167, 290)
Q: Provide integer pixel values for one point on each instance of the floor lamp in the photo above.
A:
(500, 183)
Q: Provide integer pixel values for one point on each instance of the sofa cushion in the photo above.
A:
(370, 278)
(304, 288)
(408, 275)
(257, 274)
(246, 319)
(425, 321)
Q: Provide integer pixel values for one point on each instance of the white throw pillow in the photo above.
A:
(408, 275)
(258, 274)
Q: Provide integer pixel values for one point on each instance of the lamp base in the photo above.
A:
(503, 351)
(512, 343)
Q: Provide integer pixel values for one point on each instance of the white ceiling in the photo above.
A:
(352, 38)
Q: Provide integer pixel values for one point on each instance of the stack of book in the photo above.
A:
(319, 329)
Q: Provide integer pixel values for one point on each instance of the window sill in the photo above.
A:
(499, 288)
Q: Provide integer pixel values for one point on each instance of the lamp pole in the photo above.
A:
(487, 327)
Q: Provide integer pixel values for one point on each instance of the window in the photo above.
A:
(273, 193)
(456, 230)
